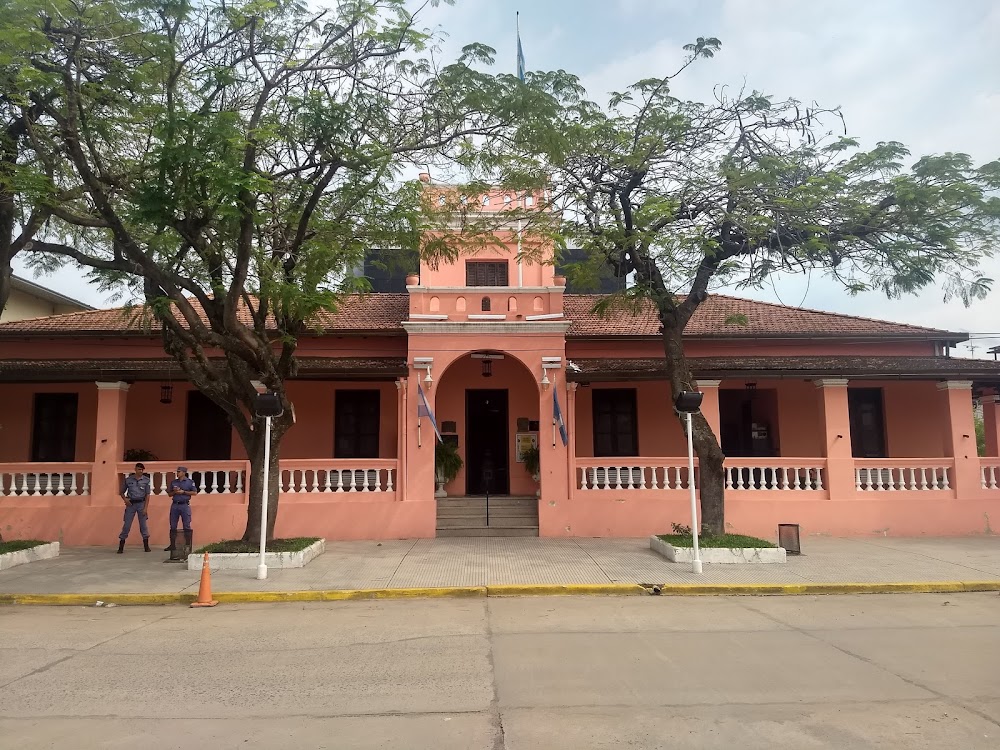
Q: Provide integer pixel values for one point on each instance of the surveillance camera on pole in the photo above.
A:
(268, 405)
(687, 403)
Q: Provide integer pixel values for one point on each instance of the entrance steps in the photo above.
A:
(466, 516)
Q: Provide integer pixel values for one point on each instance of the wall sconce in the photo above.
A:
(487, 368)
(166, 394)
(425, 363)
(486, 362)
(549, 363)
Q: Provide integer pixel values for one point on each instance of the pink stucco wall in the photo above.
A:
(660, 433)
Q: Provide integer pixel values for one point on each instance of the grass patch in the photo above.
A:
(727, 541)
(16, 545)
(275, 545)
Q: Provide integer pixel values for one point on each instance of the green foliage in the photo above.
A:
(716, 541)
(980, 436)
(296, 544)
(532, 460)
(447, 461)
(16, 545)
(139, 454)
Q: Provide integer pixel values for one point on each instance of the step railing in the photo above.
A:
(989, 472)
(339, 475)
(903, 475)
(778, 474)
(45, 479)
(210, 477)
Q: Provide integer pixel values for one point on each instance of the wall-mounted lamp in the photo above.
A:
(166, 394)
(486, 362)
(549, 363)
(425, 363)
(487, 368)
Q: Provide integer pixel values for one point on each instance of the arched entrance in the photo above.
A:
(487, 401)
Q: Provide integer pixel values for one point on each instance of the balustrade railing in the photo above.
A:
(907, 475)
(633, 474)
(363, 475)
(989, 471)
(210, 477)
(45, 480)
(783, 474)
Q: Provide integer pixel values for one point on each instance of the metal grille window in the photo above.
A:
(486, 273)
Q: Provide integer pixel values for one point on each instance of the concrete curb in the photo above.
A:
(542, 589)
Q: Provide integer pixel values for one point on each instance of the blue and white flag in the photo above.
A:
(557, 418)
(424, 410)
(520, 53)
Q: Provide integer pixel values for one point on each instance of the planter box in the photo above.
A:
(718, 554)
(22, 556)
(250, 560)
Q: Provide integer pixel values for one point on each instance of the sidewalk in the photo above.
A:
(498, 561)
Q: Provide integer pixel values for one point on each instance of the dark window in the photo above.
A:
(485, 273)
(53, 434)
(867, 422)
(356, 424)
(615, 422)
(209, 431)
(486, 304)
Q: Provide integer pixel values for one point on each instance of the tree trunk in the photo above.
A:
(279, 425)
(711, 475)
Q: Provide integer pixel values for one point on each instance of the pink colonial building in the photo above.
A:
(844, 425)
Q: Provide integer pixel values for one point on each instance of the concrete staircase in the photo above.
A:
(466, 516)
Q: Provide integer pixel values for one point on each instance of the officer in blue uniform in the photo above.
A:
(135, 492)
(182, 489)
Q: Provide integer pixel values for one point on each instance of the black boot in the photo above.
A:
(121, 546)
(188, 542)
(173, 541)
(145, 544)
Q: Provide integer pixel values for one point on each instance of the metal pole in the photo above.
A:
(262, 566)
(696, 563)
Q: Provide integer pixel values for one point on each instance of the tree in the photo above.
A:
(237, 160)
(688, 196)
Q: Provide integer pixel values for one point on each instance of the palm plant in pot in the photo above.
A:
(533, 464)
(447, 464)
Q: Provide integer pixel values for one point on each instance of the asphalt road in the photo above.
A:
(896, 671)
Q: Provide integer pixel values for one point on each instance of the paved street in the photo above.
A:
(479, 562)
(889, 671)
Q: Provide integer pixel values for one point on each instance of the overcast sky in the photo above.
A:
(924, 72)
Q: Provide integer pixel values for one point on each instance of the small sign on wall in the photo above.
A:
(525, 441)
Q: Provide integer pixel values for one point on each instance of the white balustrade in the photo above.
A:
(908, 478)
(209, 480)
(774, 474)
(37, 482)
(330, 479)
(630, 476)
(990, 473)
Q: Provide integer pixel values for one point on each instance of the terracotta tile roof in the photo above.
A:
(384, 313)
(369, 313)
(981, 370)
(762, 319)
(154, 369)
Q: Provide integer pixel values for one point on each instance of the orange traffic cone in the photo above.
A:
(205, 588)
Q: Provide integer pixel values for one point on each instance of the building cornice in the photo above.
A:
(508, 328)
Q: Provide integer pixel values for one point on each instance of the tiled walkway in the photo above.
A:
(483, 561)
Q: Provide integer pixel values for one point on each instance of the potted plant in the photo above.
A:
(139, 454)
(447, 464)
(533, 464)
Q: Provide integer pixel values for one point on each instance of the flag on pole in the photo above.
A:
(520, 52)
(557, 417)
(424, 410)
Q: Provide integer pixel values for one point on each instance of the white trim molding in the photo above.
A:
(487, 316)
(831, 382)
(707, 383)
(955, 385)
(509, 327)
(115, 386)
(545, 316)
(428, 316)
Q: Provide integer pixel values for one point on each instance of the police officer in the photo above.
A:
(135, 493)
(182, 489)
